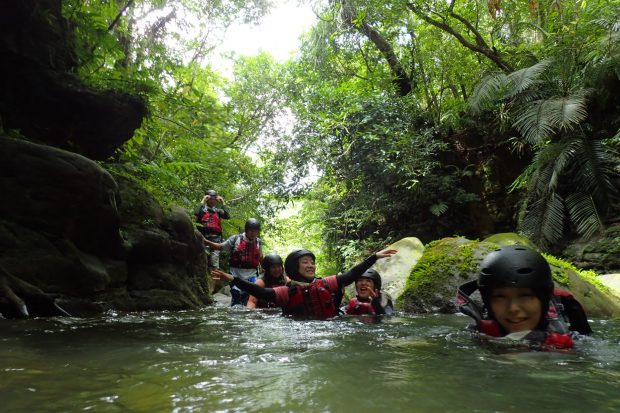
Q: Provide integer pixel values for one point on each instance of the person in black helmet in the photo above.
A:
(245, 256)
(519, 300)
(370, 299)
(273, 276)
(307, 296)
(210, 219)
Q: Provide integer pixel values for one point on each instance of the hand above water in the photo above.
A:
(218, 274)
(388, 252)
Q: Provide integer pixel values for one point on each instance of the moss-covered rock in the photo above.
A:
(445, 264)
(450, 262)
(600, 253)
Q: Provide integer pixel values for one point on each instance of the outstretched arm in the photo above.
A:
(251, 288)
(357, 271)
(211, 244)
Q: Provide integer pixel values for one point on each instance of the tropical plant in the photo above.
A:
(569, 184)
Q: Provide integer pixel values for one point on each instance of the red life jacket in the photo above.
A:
(316, 299)
(246, 253)
(269, 282)
(358, 307)
(211, 222)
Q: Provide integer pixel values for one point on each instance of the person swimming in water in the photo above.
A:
(520, 301)
(369, 298)
(306, 296)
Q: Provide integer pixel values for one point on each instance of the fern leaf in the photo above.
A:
(534, 123)
(487, 91)
(525, 78)
(584, 214)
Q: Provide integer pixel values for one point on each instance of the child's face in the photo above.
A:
(306, 267)
(251, 234)
(516, 309)
(276, 270)
(364, 288)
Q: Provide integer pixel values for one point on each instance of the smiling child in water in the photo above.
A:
(520, 302)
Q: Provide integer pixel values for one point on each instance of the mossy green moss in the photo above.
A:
(562, 278)
(444, 264)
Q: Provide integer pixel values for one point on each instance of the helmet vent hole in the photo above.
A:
(524, 271)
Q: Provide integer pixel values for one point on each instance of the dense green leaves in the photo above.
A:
(367, 127)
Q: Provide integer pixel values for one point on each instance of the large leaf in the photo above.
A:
(525, 78)
(490, 89)
(584, 214)
(544, 220)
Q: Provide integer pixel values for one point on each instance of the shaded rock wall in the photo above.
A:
(67, 243)
(43, 99)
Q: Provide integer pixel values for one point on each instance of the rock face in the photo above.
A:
(450, 262)
(601, 253)
(40, 96)
(74, 240)
(393, 271)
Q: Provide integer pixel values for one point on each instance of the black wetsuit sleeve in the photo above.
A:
(223, 213)
(576, 315)
(380, 309)
(376, 304)
(356, 272)
(198, 213)
(267, 294)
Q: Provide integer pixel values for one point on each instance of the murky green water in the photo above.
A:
(229, 360)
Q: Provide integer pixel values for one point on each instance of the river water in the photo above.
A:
(234, 360)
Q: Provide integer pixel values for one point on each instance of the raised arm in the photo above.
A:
(356, 272)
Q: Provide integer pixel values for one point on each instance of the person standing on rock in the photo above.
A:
(210, 219)
(245, 256)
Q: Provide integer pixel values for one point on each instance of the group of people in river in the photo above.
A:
(519, 300)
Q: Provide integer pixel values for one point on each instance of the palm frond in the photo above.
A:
(584, 214)
(487, 91)
(525, 78)
(594, 170)
(566, 112)
(544, 221)
(534, 123)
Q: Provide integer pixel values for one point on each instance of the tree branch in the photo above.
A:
(479, 47)
(119, 15)
(402, 81)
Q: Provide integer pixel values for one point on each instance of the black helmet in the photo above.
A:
(211, 192)
(516, 266)
(252, 223)
(271, 259)
(373, 275)
(291, 264)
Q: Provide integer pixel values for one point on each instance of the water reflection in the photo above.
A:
(223, 359)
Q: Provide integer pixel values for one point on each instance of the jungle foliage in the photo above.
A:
(390, 107)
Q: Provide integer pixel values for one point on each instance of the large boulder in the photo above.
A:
(395, 270)
(450, 262)
(74, 241)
